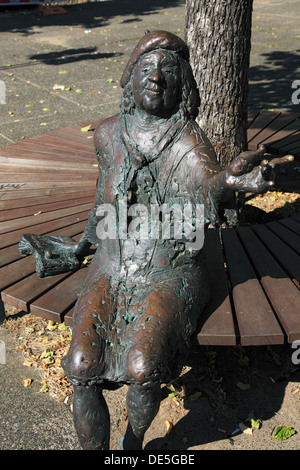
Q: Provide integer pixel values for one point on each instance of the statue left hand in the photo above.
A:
(249, 173)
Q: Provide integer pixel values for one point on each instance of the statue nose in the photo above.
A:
(155, 76)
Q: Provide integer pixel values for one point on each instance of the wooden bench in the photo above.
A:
(47, 186)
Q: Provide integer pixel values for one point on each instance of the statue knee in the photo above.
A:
(81, 366)
(141, 368)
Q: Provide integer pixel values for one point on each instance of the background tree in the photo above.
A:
(218, 33)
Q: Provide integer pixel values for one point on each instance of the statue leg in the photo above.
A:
(143, 403)
(91, 417)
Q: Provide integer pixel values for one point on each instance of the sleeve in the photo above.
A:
(207, 182)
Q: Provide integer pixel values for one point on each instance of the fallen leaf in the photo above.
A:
(58, 87)
(46, 354)
(171, 388)
(51, 325)
(243, 386)
(44, 389)
(255, 423)
(282, 433)
(48, 360)
(86, 129)
(169, 426)
(27, 382)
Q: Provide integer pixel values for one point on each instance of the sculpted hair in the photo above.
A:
(189, 100)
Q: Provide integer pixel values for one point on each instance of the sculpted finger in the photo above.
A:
(281, 161)
(246, 160)
(267, 170)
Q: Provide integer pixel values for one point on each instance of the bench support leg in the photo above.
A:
(91, 417)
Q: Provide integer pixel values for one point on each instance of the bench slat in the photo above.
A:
(21, 294)
(28, 177)
(61, 298)
(292, 142)
(32, 201)
(12, 238)
(30, 221)
(13, 272)
(58, 144)
(256, 321)
(296, 217)
(31, 190)
(15, 162)
(68, 317)
(264, 119)
(19, 213)
(216, 324)
(285, 255)
(272, 129)
(289, 238)
(252, 115)
(274, 143)
(47, 153)
(291, 224)
(282, 292)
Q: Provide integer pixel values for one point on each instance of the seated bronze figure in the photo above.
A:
(143, 296)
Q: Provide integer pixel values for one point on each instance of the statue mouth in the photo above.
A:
(155, 90)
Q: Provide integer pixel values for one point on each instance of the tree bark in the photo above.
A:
(218, 33)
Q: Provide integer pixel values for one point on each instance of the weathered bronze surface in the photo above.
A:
(142, 296)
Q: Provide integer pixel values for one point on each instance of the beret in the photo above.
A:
(150, 42)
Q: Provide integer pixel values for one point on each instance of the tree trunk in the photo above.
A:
(218, 33)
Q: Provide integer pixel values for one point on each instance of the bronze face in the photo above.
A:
(156, 83)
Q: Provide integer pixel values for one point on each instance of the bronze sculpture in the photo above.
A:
(143, 296)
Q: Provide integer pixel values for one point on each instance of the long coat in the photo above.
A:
(142, 298)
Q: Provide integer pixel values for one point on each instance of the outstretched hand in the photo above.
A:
(249, 172)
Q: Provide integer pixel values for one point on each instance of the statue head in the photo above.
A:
(158, 77)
